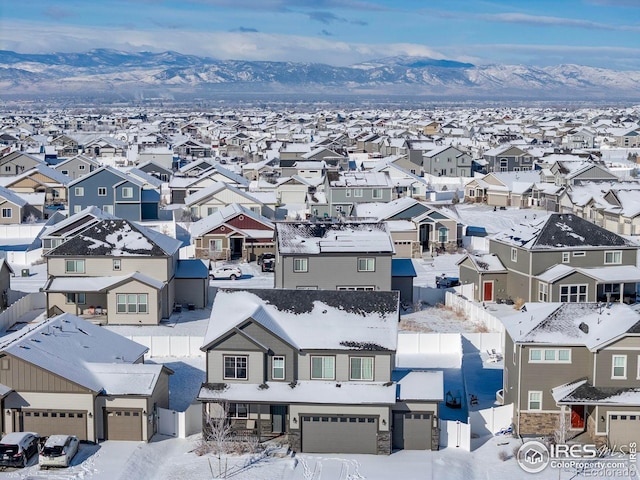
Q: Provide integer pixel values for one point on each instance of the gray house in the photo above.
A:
(77, 166)
(447, 161)
(555, 258)
(574, 360)
(333, 255)
(116, 193)
(16, 163)
(316, 366)
(345, 189)
(508, 158)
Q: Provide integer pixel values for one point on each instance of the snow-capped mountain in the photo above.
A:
(110, 71)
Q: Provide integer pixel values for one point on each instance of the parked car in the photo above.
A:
(17, 448)
(265, 256)
(268, 264)
(58, 451)
(56, 206)
(443, 281)
(230, 272)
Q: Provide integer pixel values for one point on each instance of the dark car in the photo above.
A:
(443, 281)
(268, 264)
(265, 256)
(17, 448)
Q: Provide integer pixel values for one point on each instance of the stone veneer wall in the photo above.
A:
(384, 443)
(538, 423)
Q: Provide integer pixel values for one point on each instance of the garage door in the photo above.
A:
(624, 429)
(52, 422)
(332, 434)
(124, 425)
(412, 430)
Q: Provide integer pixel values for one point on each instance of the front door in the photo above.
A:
(487, 291)
(278, 418)
(577, 416)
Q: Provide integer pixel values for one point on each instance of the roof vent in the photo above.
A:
(584, 327)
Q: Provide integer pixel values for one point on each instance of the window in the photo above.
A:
(238, 410)
(107, 209)
(117, 265)
(77, 208)
(361, 368)
(376, 193)
(323, 368)
(102, 191)
(543, 292)
(566, 257)
(235, 367)
(613, 258)
(573, 293)
(472, 193)
(535, 400)
(79, 298)
(79, 191)
(550, 355)
(366, 264)
(514, 254)
(357, 192)
(215, 245)
(619, 366)
(127, 192)
(443, 235)
(81, 167)
(277, 370)
(132, 303)
(579, 254)
(211, 210)
(300, 265)
(65, 172)
(7, 168)
(7, 213)
(74, 266)
(347, 192)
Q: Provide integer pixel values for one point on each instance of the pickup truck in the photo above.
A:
(443, 281)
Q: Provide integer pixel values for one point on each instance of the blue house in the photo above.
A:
(115, 192)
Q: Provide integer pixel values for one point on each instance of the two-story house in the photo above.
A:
(115, 192)
(77, 166)
(15, 163)
(117, 272)
(508, 158)
(555, 258)
(446, 161)
(578, 363)
(316, 366)
(344, 189)
(333, 255)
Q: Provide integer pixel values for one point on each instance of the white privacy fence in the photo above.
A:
(26, 304)
(429, 343)
(491, 420)
(455, 434)
(170, 346)
(474, 312)
(180, 424)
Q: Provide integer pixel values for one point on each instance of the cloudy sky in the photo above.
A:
(601, 33)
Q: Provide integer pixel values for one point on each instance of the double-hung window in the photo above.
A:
(102, 191)
(277, 368)
(376, 193)
(361, 368)
(127, 192)
(236, 367)
(7, 213)
(238, 410)
(535, 400)
(573, 293)
(132, 303)
(79, 191)
(619, 367)
(323, 368)
(79, 298)
(613, 257)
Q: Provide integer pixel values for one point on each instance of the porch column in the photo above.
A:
(621, 292)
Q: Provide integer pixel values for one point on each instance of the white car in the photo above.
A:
(228, 271)
(58, 451)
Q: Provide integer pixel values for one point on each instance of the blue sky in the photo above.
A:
(600, 33)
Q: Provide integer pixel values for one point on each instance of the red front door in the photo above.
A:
(577, 416)
(487, 290)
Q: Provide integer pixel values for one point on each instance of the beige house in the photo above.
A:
(81, 379)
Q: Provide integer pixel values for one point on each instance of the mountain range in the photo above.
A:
(104, 71)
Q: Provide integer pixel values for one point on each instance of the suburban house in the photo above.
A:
(233, 232)
(56, 234)
(116, 272)
(554, 258)
(18, 207)
(318, 367)
(211, 199)
(349, 255)
(77, 166)
(116, 193)
(579, 170)
(502, 189)
(446, 161)
(345, 189)
(508, 158)
(65, 374)
(16, 163)
(41, 179)
(577, 360)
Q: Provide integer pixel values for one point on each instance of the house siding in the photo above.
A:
(381, 364)
(26, 377)
(152, 317)
(255, 364)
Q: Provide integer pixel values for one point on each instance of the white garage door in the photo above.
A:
(624, 429)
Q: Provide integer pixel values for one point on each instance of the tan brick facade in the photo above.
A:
(538, 423)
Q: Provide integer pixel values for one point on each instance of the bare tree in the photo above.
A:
(217, 433)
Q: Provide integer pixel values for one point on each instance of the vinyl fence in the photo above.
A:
(455, 434)
(180, 424)
(26, 304)
(474, 312)
(490, 420)
(170, 346)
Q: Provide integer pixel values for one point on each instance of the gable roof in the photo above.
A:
(560, 231)
(217, 187)
(324, 237)
(311, 319)
(65, 345)
(116, 237)
(224, 215)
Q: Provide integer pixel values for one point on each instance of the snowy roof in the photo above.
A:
(362, 179)
(311, 319)
(562, 231)
(65, 345)
(614, 273)
(217, 187)
(97, 284)
(225, 214)
(126, 378)
(582, 392)
(94, 212)
(419, 385)
(485, 263)
(561, 391)
(385, 210)
(588, 324)
(309, 238)
(117, 238)
(339, 393)
(13, 197)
